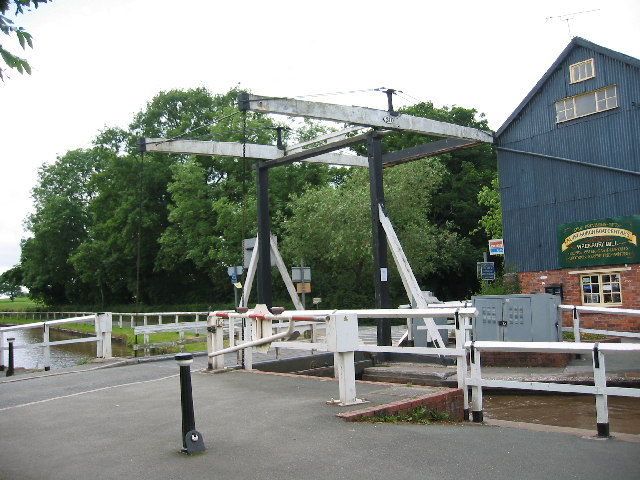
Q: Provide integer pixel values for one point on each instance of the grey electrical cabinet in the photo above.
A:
(517, 318)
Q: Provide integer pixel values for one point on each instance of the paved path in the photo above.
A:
(125, 423)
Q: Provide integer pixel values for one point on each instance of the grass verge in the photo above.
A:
(420, 415)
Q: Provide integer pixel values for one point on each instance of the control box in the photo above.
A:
(517, 318)
(342, 333)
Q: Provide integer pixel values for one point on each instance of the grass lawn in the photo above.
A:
(17, 305)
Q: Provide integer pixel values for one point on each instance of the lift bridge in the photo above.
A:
(366, 125)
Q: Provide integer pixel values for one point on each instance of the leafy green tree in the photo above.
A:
(24, 38)
(11, 282)
(331, 229)
(491, 222)
(58, 226)
(455, 205)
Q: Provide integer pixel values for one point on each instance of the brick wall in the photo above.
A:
(535, 282)
(447, 400)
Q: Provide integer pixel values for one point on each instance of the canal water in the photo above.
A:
(577, 411)
(61, 355)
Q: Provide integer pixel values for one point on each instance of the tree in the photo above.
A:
(331, 229)
(58, 226)
(455, 205)
(11, 282)
(24, 37)
(491, 222)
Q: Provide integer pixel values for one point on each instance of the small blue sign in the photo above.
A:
(234, 278)
(487, 271)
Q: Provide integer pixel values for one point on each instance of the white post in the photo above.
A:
(106, 326)
(248, 352)
(600, 382)
(120, 320)
(98, 332)
(177, 320)
(1, 351)
(461, 362)
(346, 378)
(576, 325)
(342, 339)
(476, 377)
(218, 339)
(47, 348)
(181, 338)
(210, 323)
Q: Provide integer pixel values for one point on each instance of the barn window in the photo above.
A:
(581, 71)
(601, 289)
(586, 104)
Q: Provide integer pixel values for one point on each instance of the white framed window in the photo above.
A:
(565, 110)
(586, 104)
(581, 71)
(606, 98)
(602, 289)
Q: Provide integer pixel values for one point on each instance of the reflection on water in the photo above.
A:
(61, 355)
(578, 411)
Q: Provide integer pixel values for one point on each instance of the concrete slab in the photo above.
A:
(125, 423)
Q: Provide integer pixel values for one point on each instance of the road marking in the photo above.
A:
(87, 391)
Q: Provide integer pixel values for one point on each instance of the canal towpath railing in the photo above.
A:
(599, 388)
(102, 336)
(577, 330)
(342, 338)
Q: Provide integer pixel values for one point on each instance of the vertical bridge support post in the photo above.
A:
(379, 239)
(265, 288)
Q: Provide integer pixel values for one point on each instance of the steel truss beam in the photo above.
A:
(260, 152)
(368, 117)
(426, 150)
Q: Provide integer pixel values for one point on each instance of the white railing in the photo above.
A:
(146, 330)
(599, 389)
(158, 317)
(577, 330)
(41, 315)
(103, 327)
(341, 338)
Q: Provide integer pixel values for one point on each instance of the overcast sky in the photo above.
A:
(98, 62)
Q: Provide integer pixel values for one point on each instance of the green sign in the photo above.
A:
(609, 241)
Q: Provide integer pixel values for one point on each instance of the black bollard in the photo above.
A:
(192, 441)
(10, 369)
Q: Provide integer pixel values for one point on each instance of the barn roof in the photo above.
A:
(576, 41)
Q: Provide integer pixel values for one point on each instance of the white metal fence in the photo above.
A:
(102, 336)
(577, 330)
(599, 389)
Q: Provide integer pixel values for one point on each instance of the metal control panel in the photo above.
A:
(342, 333)
(517, 318)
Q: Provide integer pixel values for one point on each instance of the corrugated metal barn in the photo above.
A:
(538, 193)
